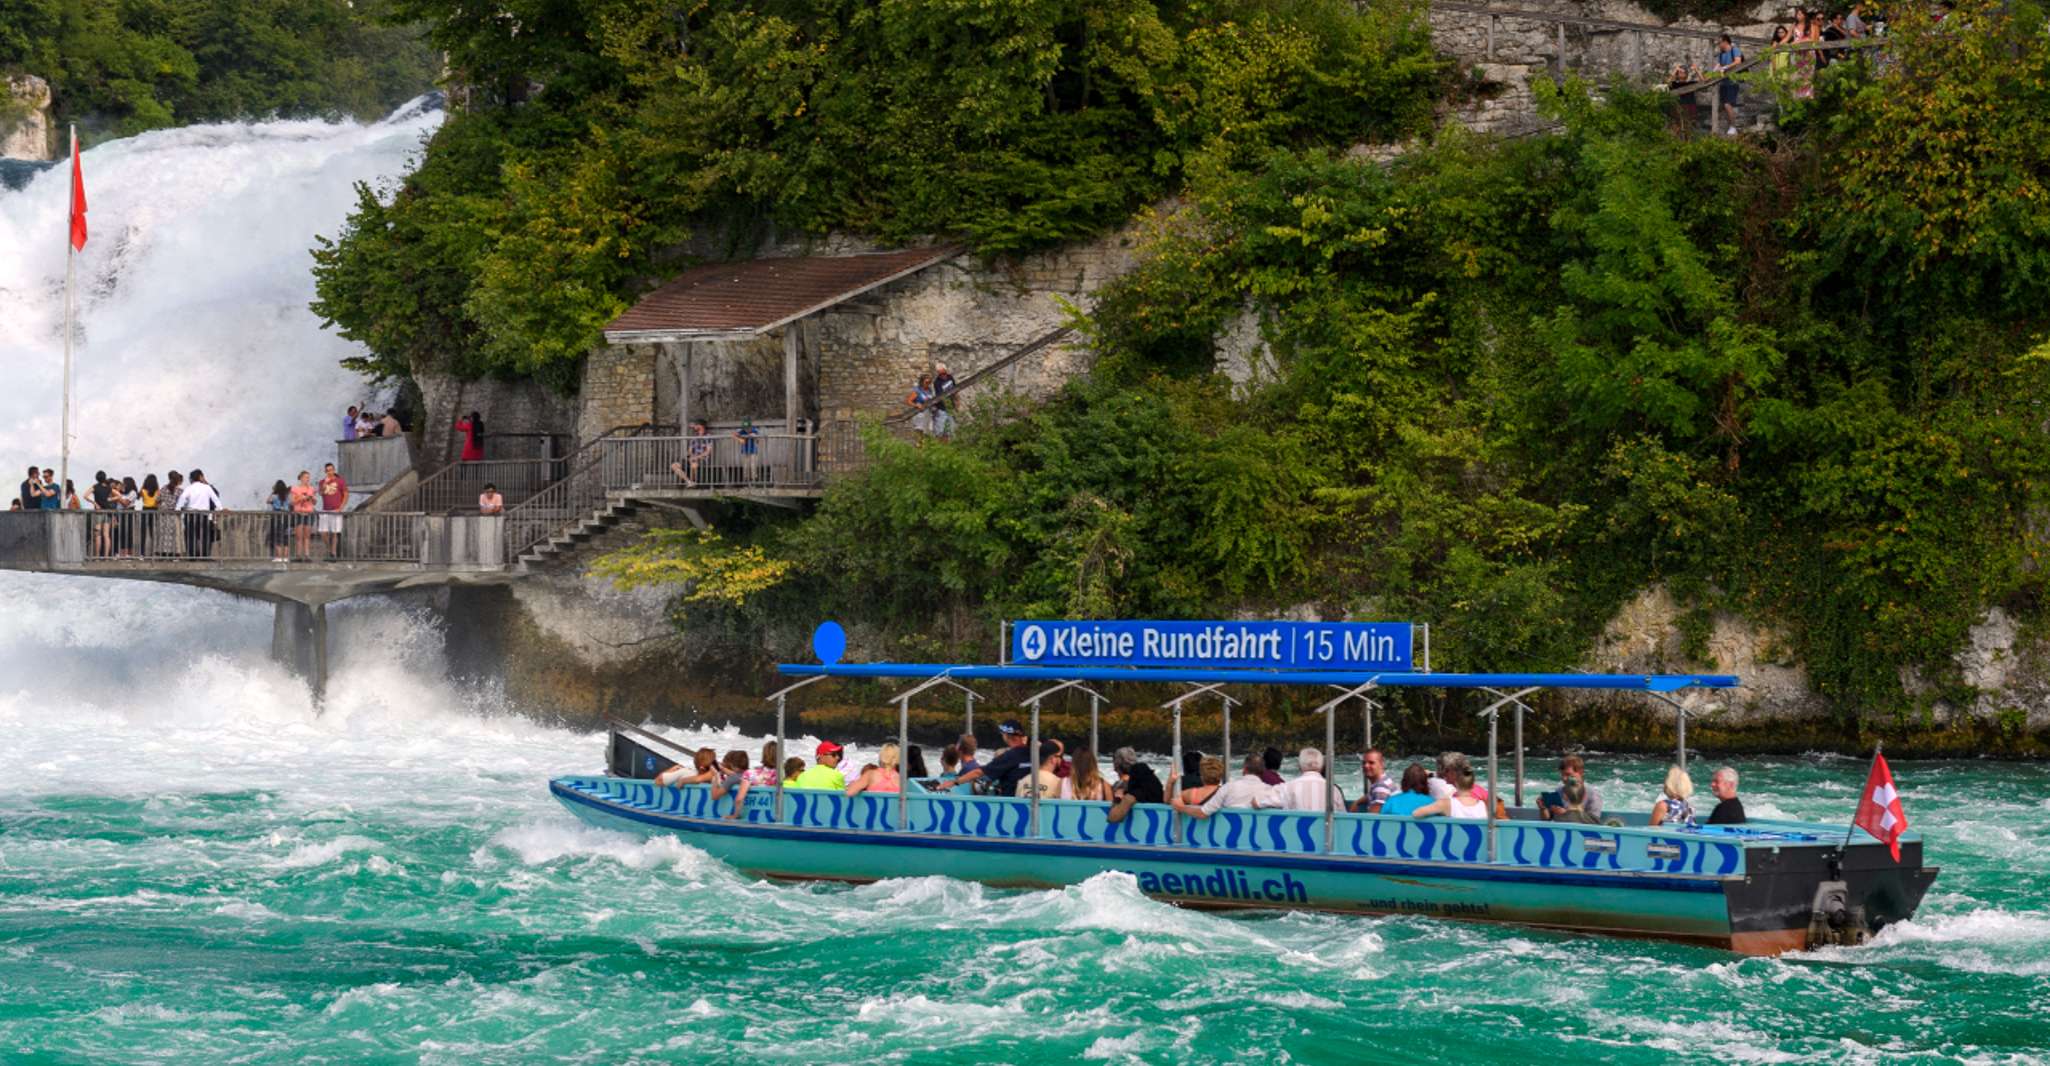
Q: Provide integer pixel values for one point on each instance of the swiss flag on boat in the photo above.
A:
(77, 198)
(1879, 807)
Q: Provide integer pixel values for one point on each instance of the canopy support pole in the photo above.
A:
(1174, 824)
(1681, 710)
(1095, 718)
(1033, 774)
(903, 763)
(1494, 713)
(1519, 753)
(1227, 737)
(968, 724)
(778, 697)
(1330, 767)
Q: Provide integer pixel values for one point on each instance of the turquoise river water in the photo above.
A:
(226, 876)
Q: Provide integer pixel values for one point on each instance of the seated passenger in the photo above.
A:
(792, 766)
(1137, 783)
(882, 777)
(1379, 783)
(950, 769)
(1729, 810)
(1572, 806)
(1465, 800)
(826, 773)
(1415, 794)
(1672, 808)
(1087, 782)
(1006, 770)
(966, 746)
(914, 763)
(1271, 759)
(705, 767)
(1309, 791)
(1246, 790)
(1044, 781)
(1211, 770)
(732, 774)
(765, 773)
(1065, 768)
(1447, 772)
(1572, 766)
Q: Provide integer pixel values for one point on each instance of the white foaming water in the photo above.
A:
(195, 344)
(195, 348)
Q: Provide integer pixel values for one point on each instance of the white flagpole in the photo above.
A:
(70, 278)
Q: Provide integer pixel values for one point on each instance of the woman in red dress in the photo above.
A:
(472, 427)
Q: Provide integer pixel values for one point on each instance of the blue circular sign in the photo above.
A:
(829, 642)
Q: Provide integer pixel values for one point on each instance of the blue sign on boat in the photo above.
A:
(1249, 645)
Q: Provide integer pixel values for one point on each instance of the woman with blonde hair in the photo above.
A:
(882, 777)
(1087, 782)
(1673, 808)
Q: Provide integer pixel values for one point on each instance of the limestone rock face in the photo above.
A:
(1645, 637)
(26, 130)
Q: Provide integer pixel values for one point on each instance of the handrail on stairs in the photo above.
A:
(1038, 343)
(576, 493)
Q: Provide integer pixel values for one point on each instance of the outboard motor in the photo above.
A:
(1833, 920)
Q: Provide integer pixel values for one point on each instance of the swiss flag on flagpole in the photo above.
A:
(77, 198)
(1879, 807)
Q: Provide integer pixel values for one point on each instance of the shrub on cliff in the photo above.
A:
(1010, 126)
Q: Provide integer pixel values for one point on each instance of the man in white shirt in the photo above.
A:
(1246, 790)
(199, 529)
(1308, 792)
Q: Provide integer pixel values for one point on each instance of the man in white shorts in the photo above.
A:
(334, 499)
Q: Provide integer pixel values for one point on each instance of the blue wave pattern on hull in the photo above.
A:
(1534, 845)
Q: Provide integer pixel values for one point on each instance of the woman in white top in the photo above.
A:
(1463, 802)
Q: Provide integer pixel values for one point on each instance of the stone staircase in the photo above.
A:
(617, 510)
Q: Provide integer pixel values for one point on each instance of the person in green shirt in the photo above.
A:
(825, 773)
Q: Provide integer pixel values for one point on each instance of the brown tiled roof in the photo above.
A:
(753, 296)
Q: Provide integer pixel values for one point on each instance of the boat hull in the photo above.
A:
(1575, 888)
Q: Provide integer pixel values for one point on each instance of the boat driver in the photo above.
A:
(1005, 771)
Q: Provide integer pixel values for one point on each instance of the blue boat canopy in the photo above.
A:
(1348, 679)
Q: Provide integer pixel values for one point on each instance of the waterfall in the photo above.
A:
(195, 348)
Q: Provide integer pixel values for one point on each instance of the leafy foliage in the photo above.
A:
(124, 66)
(1012, 126)
(707, 570)
(1519, 382)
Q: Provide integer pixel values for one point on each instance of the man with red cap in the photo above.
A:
(825, 773)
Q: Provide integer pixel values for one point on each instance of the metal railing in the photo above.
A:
(574, 496)
(764, 461)
(252, 536)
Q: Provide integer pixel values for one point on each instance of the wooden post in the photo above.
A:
(1562, 49)
(683, 392)
(1493, 21)
(790, 378)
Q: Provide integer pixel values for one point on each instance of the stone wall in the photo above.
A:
(864, 355)
(26, 130)
(507, 407)
(1497, 68)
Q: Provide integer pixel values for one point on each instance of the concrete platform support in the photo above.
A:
(299, 640)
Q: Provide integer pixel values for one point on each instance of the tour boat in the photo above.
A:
(1761, 888)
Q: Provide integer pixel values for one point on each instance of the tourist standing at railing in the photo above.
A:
(750, 444)
(334, 499)
(126, 497)
(472, 428)
(349, 423)
(201, 499)
(32, 490)
(49, 497)
(942, 387)
(149, 499)
(103, 524)
(366, 425)
(280, 504)
(305, 501)
(1727, 59)
(920, 402)
(490, 501)
(389, 426)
